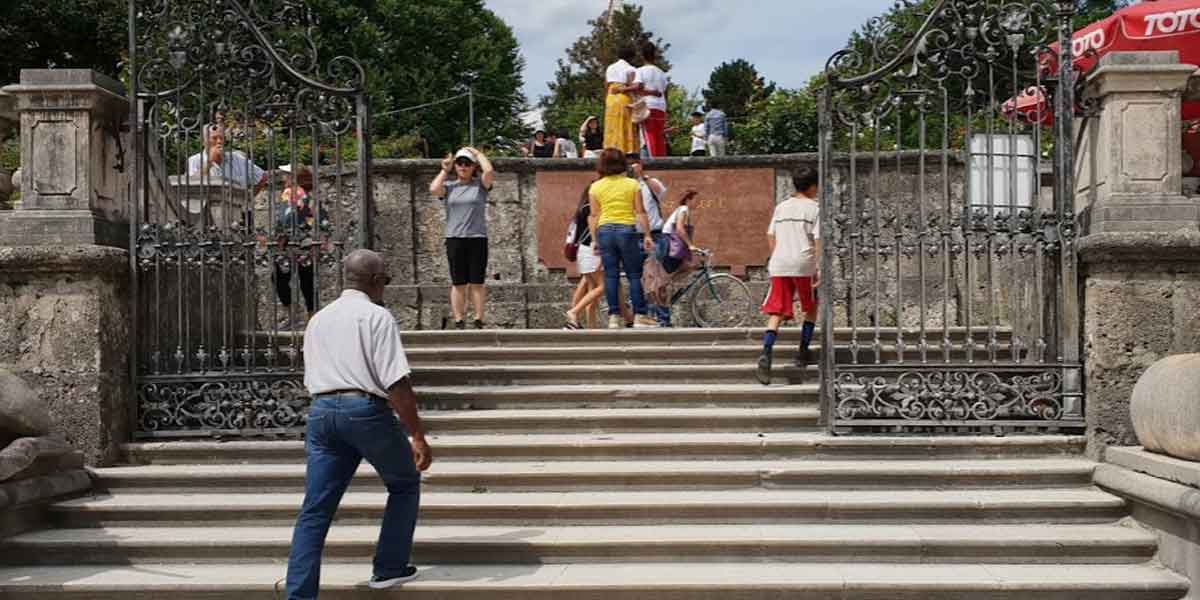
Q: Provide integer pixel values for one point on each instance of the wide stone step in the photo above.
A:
(623, 420)
(674, 336)
(618, 544)
(603, 581)
(541, 509)
(682, 446)
(580, 354)
(503, 374)
(642, 475)
(617, 395)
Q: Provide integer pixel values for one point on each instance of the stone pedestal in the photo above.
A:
(1129, 169)
(1140, 255)
(8, 122)
(64, 329)
(74, 177)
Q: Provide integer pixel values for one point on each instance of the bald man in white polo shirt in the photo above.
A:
(357, 373)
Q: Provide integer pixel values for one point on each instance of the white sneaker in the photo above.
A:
(379, 583)
(614, 322)
(644, 322)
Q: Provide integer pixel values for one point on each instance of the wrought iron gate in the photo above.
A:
(949, 266)
(252, 181)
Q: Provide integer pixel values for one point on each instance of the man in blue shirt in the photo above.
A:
(716, 125)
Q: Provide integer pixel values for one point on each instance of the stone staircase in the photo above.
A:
(615, 465)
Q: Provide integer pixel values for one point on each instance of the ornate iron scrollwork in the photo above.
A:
(965, 273)
(218, 247)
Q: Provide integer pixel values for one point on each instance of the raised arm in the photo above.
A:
(487, 174)
(438, 186)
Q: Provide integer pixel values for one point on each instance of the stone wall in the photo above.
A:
(530, 283)
(64, 328)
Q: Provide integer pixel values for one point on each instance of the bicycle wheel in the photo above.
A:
(721, 301)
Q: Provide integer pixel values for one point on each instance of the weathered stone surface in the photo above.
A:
(1165, 408)
(30, 456)
(64, 328)
(1141, 301)
(21, 411)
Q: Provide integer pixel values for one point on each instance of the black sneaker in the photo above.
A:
(763, 372)
(460, 325)
(803, 358)
(381, 583)
(478, 324)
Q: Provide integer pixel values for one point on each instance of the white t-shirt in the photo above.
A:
(654, 80)
(679, 216)
(796, 226)
(699, 137)
(353, 344)
(652, 204)
(618, 72)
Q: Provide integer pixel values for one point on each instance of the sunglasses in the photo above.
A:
(462, 162)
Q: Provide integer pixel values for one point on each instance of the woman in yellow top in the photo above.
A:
(616, 207)
(620, 132)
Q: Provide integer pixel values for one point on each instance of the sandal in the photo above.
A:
(572, 326)
(572, 322)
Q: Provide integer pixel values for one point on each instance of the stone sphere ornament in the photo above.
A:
(1165, 407)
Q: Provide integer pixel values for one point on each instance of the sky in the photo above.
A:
(788, 40)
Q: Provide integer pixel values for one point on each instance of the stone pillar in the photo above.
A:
(8, 122)
(74, 177)
(1140, 254)
(64, 329)
(1131, 178)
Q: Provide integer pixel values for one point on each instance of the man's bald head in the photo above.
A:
(362, 267)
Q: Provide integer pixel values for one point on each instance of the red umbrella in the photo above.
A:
(1151, 25)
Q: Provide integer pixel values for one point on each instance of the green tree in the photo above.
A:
(422, 52)
(1090, 11)
(734, 86)
(784, 122)
(41, 34)
(580, 77)
(414, 53)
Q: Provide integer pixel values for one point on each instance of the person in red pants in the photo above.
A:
(795, 268)
(651, 83)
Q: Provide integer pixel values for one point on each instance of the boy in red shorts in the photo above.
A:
(795, 239)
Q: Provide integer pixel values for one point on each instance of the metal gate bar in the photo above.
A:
(222, 259)
(902, 254)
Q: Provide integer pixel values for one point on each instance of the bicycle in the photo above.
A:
(717, 299)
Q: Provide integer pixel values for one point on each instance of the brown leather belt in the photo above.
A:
(335, 393)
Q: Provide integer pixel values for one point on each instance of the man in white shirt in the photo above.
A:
(218, 164)
(795, 268)
(565, 148)
(357, 373)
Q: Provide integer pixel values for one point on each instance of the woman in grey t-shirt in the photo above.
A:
(466, 228)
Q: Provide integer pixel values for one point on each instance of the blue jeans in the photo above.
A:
(660, 312)
(343, 430)
(621, 247)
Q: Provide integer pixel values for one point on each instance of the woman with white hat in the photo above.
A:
(591, 137)
(466, 199)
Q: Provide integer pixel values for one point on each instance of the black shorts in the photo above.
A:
(468, 259)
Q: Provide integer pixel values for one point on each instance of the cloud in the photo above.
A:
(788, 40)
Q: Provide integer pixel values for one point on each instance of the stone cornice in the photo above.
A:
(103, 261)
(1152, 247)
